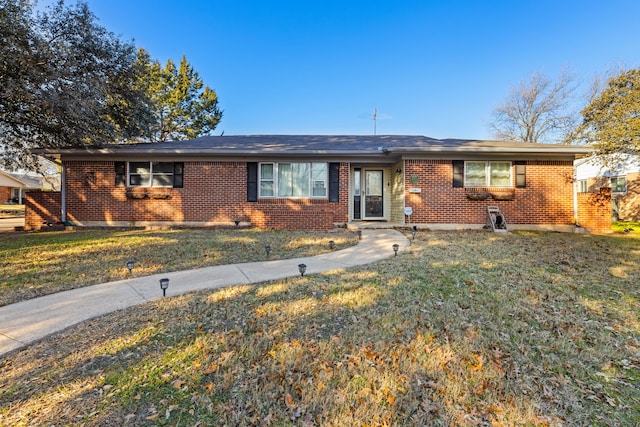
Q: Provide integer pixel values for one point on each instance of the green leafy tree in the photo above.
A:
(64, 81)
(611, 122)
(183, 107)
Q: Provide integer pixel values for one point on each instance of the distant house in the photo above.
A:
(623, 177)
(314, 182)
(14, 185)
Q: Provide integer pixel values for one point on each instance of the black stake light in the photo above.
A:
(414, 232)
(395, 248)
(130, 264)
(332, 244)
(267, 249)
(359, 232)
(302, 268)
(164, 284)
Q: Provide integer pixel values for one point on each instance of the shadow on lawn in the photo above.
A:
(458, 330)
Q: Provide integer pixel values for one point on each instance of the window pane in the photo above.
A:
(139, 180)
(319, 171)
(475, 174)
(162, 167)
(266, 189)
(139, 168)
(162, 180)
(619, 184)
(266, 180)
(266, 171)
(293, 180)
(284, 180)
(356, 182)
(500, 174)
(319, 177)
(300, 179)
(319, 189)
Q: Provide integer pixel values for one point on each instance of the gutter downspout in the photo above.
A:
(63, 194)
(575, 196)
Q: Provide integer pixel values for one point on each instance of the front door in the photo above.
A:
(373, 198)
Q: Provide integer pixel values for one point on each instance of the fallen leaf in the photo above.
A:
(288, 399)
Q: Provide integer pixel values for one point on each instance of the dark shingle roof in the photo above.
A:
(322, 145)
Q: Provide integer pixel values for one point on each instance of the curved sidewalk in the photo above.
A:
(31, 320)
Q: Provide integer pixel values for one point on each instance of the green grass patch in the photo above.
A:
(631, 227)
(474, 328)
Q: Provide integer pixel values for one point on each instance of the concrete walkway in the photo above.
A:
(31, 320)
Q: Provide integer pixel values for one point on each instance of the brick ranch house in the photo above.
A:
(318, 182)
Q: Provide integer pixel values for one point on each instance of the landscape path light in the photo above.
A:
(359, 233)
(414, 232)
(332, 244)
(302, 268)
(130, 264)
(267, 249)
(164, 284)
(395, 249)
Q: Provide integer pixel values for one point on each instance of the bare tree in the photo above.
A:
(538, 110)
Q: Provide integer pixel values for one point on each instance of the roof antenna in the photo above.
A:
(375, 118)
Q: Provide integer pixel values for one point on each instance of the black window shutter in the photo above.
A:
(458, 173)
(178, 175)
(252, 182)
(521, 174)
(334, 182)
(121, 174)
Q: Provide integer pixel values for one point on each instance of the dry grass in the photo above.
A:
(470, 329)
(36, 264)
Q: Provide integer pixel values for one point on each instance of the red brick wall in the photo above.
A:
(5, 194)
(214, 192)
(42, 207)
(630, 201)
(594, 211)
(547, 198)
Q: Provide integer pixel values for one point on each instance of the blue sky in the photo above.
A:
(435, 68)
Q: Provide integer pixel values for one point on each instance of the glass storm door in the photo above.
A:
(373, 194)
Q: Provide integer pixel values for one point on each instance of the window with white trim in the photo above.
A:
(582, 186)
(154, 174)
(618, 184)
(487, 174)
(293, 180)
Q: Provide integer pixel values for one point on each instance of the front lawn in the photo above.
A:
(469, 329)
(36, 264)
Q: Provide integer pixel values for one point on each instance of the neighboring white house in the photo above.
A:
(623, 177)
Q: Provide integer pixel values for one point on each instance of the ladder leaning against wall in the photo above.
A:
(496, 219)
